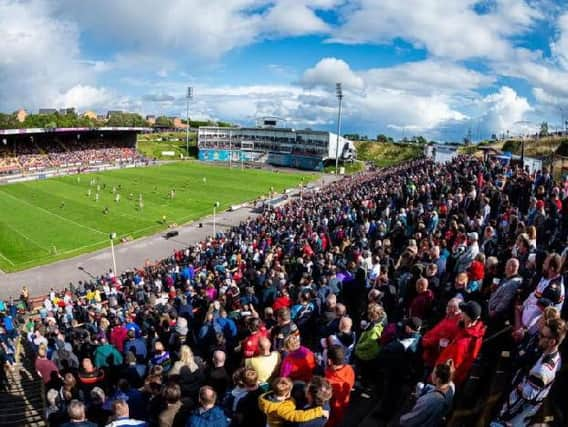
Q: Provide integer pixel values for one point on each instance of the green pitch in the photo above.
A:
(44, 221)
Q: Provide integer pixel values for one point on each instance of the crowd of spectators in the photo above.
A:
(55, 153)
(384, 282)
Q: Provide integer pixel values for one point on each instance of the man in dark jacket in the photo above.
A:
(208, 414)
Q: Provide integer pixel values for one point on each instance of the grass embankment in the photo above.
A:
(383, 154)
(541, 147)
(45, 221)
(152, 145)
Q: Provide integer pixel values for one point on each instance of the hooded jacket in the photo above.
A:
(342, 381)
(446, 328)
(278, 412)
(463, 349)
(103, 355)
(368, 346)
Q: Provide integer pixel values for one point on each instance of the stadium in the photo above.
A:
(267, 143)
(193, 235)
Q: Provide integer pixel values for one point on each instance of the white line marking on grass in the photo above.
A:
(25, 237)
(54, 214)
(69, 251)
(7, 259)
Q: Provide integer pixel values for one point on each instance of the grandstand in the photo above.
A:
(303, 149)
(35, 152)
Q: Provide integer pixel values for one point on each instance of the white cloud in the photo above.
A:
(207, 29)
(296, 17)
(428, 76)
(83, 97)
(504, 109)
(560, 46)
(39, 56)
(329, 71)
(461, 33)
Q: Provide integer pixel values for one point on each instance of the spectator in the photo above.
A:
(266, 363)
(77, 417)
(552, 281)
(217, 377)
(107, 355)
(317, 395)
(280, 408)
(464, 347)
(187, 373)
(208, 414)
(438, 338)
(501, 301)
(45, 368)
(246, 410)
(161, 357)
(341, 376)
(367, 348)
(122, 417)
(434, 401)
(283, 328)
(532, 384)
(299, 362)
(421, 304)
(172, 415)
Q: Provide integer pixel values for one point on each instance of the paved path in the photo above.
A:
(128, 256)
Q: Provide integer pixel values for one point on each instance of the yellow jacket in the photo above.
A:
(280, 411)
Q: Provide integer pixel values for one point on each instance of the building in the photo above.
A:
(64, 111)
(267, 143)
(151, 119)
(21, 115)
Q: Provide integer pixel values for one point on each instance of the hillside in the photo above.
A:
(152, 145)
(534, 147)
(383, 154)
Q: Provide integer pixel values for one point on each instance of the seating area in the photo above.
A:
(30, 156)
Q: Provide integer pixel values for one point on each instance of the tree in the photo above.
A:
(543, 129)
(164, 121)
(9, 121)
(126, 120)
(382, 138)
(421, 140)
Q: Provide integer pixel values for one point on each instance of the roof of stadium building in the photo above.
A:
(268, 128)
(71, 130)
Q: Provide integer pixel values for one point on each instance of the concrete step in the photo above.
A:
(15, 404)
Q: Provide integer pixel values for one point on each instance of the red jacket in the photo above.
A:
(250, 343)
(463, 350)
(118, 335)
(446, 328)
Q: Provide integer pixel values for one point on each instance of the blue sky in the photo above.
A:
(432, 67)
